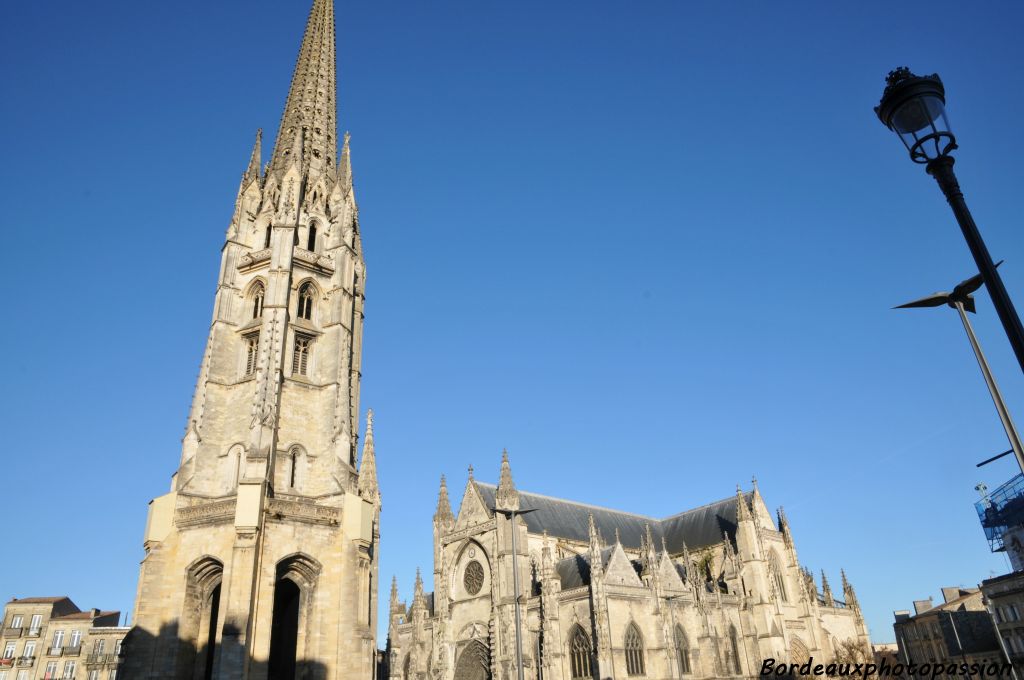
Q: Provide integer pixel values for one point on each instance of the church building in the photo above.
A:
(261, 560)
(707, 593)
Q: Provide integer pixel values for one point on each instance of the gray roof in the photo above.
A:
(698, 528)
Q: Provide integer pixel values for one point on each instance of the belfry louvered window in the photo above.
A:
(252, 349)
(305, 306)
(634, 645)
(300, 355)
(579, 654)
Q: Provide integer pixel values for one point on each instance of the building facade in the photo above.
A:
(261, 560)
(50, 637)
(1003, 597)
(959, 630)
(605, 594)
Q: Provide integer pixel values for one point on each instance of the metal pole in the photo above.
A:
(993, 388)
(960, 645)
(1002, 642)
(942, 170)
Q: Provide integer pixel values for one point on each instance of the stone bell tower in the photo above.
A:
(261, 562)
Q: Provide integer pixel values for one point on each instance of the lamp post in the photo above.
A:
(511, 515)
(962, 300)
(914, 108)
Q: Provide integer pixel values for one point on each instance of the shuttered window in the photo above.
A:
(300, 355)
(252, 348)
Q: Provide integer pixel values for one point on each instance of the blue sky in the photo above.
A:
(651, 248)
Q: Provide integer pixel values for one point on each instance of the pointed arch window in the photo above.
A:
(311, 240)
(682, 651)
(734, 647)
(777, 577)
(266, 239)
(305, 307)
(634, 646)
(538, 658)
(258, 295)
(579, 654)
(294, 467)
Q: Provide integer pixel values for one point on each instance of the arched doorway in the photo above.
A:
(199, 623)
(294, 589)
(474, 663)
(284, 630)
(213, 607)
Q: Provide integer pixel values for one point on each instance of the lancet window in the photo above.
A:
(682, 651)
(579, 654)
(305, 307)
(780, 582)
(311, 240)
(258, 295)
(634, 646)
(735, 649)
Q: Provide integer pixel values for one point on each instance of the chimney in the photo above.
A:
(921, 606)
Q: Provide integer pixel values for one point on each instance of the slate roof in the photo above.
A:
(570, 520)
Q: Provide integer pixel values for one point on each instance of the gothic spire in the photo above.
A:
(311, 103)
(394, 594)
(848, 594)
(742, 511)
(345, 165)
(507, 498)
(418, 598)
(368, 487)
(443, 515)
(253, 171)
(826, 590)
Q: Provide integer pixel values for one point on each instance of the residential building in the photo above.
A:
(50, 637)
(1004, 599)
(959, 630)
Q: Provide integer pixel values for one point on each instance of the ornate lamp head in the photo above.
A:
(914, 107)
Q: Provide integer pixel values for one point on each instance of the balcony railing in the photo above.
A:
(73, 651)
(54, 651)
(33, 632)
(26, 661)
(99, 658)
(12, 632)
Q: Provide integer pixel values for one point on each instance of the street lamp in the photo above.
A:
(914, 108)
(962, 300)
(511, 515)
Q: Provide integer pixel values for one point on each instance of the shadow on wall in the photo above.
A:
(167, 657)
